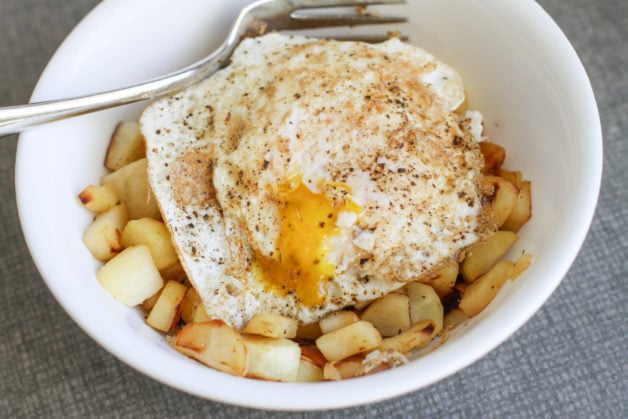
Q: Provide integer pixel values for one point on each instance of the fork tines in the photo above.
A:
(311, 4)
(304, 16)
(295, 15)
(306, 21)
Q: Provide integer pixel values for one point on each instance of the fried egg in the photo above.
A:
(310, 175)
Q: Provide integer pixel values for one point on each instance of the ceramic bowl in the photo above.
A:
(520, 71)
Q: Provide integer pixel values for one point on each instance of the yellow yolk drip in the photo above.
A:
(300, 263)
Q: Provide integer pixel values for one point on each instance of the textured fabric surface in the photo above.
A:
(569, 360)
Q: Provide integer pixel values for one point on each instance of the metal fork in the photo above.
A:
(255, 19)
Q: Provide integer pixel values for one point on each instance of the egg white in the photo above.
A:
(379, 120)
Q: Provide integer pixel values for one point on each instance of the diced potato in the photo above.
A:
(443, 280)
(352, 339)
(417, 336)
(192, 309)
(166, 312)
(214, 344)
(310, 331)
(103, 237)
(522, 211)
(176, 272)
(482, 255)
(272, 359)
(126, 145)
(340, 370)
(131, 185)
(461, 286)
(191, 300)
(494, 156)
(520, 265)
(389, 314)
(98, 198)
(513, 176)
(272, 326)
(149, 303)
(308, 372)
(454, 318)
(360, 305)
(482, 291)
(312, 354)
(503, 199)
(131, 276)
(337, 320)
(153, 234)
(378, 360)
(200, 315)
(425, 305)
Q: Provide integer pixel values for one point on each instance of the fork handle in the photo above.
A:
(14, 119)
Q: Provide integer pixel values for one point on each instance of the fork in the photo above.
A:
(254, 19)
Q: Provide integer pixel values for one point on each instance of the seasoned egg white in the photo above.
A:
(310, 175)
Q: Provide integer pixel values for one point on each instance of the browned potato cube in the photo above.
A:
(98, 198)
(310, 331)
(494, 156)
(340, 370)
(360, 305)
(513, 176)
(425, 305)
(131, 276)
(308, 372)
(272, 326)
(503, 198)
(272, 359)
(214, 344)
(166, 312)
(352, 339)
(481, 292)
(454, 318)
(192, 309)
(153, 234)
(461, 286)
(103, 237)
(199, 314)
(130, 183)
(126, 145)
(176, 272)
(522, 210)
(312, 354)
(443, 280)
(149, 303)
(337, 320)
(482, 255)
(520, 266)
(389, 314)
(378, 360)
(417, 336)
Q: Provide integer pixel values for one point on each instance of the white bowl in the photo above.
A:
(520, 72)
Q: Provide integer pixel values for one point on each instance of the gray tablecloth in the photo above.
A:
(569, 360)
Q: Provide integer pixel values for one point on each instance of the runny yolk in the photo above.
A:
(300, 262)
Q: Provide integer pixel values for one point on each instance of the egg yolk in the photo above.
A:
(300, 262)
